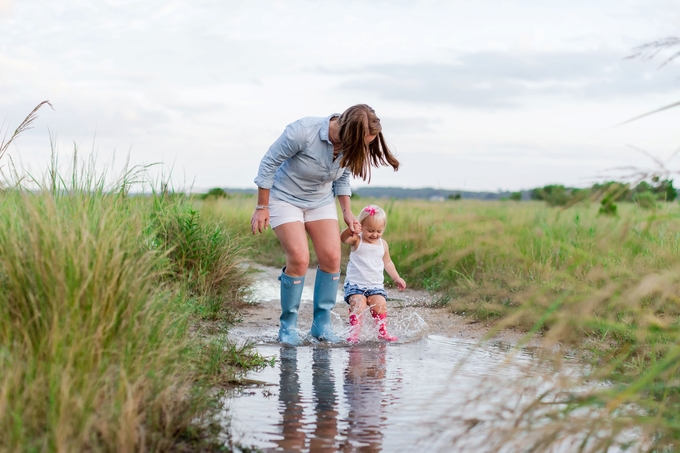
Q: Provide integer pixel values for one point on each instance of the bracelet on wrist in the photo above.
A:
(260, 207)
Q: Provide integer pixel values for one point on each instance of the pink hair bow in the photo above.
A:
(370, 210)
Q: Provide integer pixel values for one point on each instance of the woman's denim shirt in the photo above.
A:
(299, 167)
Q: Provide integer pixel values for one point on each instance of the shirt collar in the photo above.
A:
(323, 133)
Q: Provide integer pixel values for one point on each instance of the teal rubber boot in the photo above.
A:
(291, 293)
(325, 293)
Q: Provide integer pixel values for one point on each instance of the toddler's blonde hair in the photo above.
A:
(373, 211)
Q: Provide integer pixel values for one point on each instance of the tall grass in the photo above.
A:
(204, 254)
(605, 287)
(101, 300)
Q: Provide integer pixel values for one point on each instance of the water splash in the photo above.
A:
(407, 325)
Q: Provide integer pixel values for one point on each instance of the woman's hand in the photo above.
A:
(260, 220)
(347, 215)
(357, 227)
(352, 222)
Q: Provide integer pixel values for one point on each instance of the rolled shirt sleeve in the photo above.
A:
(287, 145)
(341, 186)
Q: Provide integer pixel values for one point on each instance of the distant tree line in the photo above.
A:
(645, 193)
(429, 193)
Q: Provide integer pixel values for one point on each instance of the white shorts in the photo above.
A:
(281, 212)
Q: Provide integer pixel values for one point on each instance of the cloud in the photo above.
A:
(6, 7)
(410, 124)
(506, 80)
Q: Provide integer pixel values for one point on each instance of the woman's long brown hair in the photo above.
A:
(355, 123)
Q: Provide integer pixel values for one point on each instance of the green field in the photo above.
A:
(115, 308)
(603, 287)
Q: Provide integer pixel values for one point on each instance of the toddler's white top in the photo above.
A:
(366, 266)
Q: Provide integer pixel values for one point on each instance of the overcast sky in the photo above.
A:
(472, 94)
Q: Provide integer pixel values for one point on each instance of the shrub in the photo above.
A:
(554, 195)
(664, 189)
(607, 205)
(214, 194)
(204, 255)
(645, 200)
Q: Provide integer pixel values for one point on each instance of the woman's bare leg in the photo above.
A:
(293, 239)
(325, 236)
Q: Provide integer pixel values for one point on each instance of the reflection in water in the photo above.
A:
(364, 386)
(364, 378)
(377, 397)
(290, 403)
(323, 388)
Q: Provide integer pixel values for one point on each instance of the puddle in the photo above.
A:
(427, 392)
(373, 396)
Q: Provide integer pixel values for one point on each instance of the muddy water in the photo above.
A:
(427, 392)
(371, 397)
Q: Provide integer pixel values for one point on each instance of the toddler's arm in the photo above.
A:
(391, 269)
(347, 237)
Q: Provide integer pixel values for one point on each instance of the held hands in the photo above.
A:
(260, 220)
(352, 223)
(355, 228)
(401, 284)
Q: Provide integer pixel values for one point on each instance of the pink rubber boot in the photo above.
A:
(383, 334)
(355, 329)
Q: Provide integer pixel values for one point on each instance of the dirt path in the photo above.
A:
(260, 321)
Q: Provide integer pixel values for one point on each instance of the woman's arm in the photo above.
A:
(347, 215)
(391, 269)
(287, 145)
(260, 219)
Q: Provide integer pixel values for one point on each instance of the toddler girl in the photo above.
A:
(368, 258)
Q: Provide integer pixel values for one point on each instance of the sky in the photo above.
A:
(473, 95)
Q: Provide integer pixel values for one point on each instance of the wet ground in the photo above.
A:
(436, 389)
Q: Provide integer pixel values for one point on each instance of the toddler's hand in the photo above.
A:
(401, 284)
(356, 227)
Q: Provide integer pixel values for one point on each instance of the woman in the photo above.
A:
(299, 176)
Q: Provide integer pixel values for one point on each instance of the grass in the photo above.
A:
(96, 350)
(113, 315)
(605, 286)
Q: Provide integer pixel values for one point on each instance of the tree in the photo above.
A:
(608, 206)
(215, 193)
(553, 194)
(664, 189)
